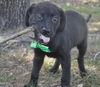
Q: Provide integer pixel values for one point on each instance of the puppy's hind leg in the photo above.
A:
(82, 50)
(55, 67)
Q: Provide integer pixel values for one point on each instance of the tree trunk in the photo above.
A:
(12, 13)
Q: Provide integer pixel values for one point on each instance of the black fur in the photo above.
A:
(70, 30)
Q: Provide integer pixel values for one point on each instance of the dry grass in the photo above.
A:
(16, 64)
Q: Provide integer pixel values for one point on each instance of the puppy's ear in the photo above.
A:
(62, 20)
(28, 13)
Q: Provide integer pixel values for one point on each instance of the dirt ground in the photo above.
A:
(16, 63)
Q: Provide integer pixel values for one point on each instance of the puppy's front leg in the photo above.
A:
(37, 64)
(66, 65)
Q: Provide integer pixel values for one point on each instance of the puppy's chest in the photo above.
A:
(54, 51)
(53, 54)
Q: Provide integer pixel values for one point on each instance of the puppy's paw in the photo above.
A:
(83, 74)
(53, 70)
(29, 85)
(26, 86)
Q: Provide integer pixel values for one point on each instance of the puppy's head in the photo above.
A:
(47, 19)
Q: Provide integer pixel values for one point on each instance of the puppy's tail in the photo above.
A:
(88, 17)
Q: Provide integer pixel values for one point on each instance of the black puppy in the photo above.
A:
(60, 31)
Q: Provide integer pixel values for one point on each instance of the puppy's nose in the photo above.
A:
(45, 32)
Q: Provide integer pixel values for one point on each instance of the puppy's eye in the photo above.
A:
(54, 19)
(39, 17)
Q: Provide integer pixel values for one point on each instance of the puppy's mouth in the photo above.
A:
(44, 39)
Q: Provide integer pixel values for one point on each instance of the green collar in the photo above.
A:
(44, 48)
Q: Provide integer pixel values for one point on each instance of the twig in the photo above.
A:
(17, 35)
(96, 55)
